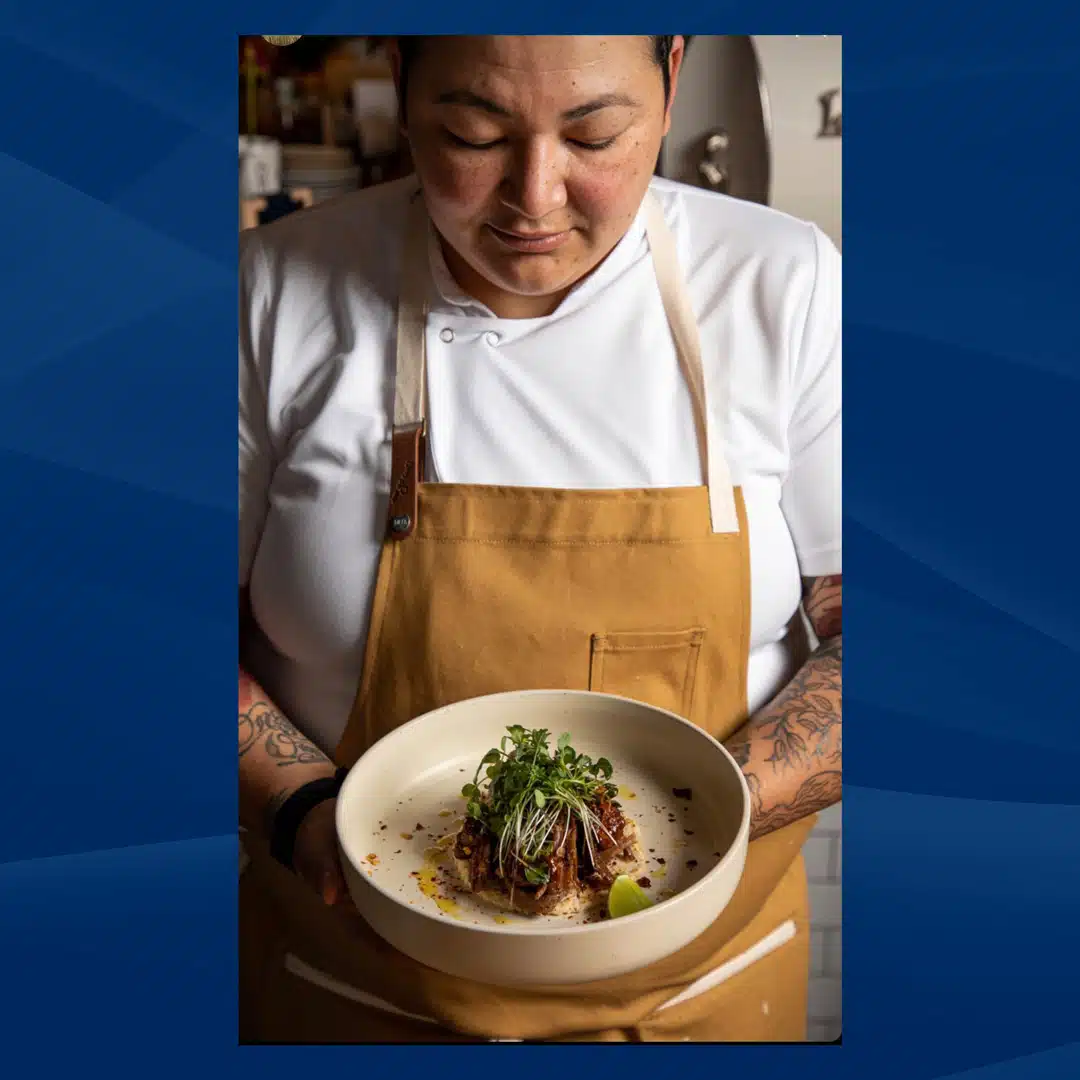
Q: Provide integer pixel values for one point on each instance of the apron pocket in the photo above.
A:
(656, 667)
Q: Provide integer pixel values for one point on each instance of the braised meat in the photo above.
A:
(612, 842)
(569, 865)
(557, 806)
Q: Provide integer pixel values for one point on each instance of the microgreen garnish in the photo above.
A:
(522, 791)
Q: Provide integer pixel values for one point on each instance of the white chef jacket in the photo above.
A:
(591, 396)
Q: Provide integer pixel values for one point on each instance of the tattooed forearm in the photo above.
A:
(740, 748)
(262, 725)
(803, 724)
(791, 752)
(819, 791)
(268, 741)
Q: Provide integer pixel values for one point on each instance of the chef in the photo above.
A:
(533, 417)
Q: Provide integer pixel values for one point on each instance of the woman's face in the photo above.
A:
(534, 154)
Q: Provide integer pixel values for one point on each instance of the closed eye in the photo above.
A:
(593, 145)
(457, 140)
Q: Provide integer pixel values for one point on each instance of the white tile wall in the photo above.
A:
(823, 851)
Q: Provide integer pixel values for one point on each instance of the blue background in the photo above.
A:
(118, 542)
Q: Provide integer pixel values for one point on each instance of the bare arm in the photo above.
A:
(275, 758)
(790, 751)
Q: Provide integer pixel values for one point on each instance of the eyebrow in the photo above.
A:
(475, 101)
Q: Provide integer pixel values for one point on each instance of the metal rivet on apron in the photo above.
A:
(447, 335)
(401, 523)
(492, 338)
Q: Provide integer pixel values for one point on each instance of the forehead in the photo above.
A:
(528, 58)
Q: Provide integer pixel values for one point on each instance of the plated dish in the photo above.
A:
(454, 867)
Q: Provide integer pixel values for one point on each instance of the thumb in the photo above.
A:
(315, 855)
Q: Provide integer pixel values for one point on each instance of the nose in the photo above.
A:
(535, 185)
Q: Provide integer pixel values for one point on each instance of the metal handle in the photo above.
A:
(831, 115)
(713, 167)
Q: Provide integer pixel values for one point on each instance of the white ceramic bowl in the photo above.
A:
(403, 796)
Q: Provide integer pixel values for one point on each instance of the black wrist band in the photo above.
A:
(296, 807)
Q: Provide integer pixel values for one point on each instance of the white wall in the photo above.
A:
(805, 169)
(793, 170)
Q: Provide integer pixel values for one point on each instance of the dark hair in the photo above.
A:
(409, 46)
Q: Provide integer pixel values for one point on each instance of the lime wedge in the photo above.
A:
(626, 897)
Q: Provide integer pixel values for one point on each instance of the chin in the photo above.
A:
(529, 278)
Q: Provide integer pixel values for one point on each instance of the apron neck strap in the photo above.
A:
(410, 380)
(684, 331)
(409, 387)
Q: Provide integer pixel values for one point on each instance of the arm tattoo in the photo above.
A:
(740, 749)
(791, 752)
(262, 725)
(803, 724)
(819, 791)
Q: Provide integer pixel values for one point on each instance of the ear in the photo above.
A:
(678, 51)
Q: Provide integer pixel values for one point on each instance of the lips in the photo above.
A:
(518, 235)
(530, 242)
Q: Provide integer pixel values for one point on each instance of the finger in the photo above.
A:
(333, 887)
(318, 873)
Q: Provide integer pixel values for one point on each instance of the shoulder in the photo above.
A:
(317, 288)
(726, 242)
(773, 276)
(354, 237)
(712, 222)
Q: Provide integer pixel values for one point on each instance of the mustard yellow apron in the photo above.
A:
(480, 589)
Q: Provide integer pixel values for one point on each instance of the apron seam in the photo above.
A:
(719, 976)
(452, 488)
(516, 541)
(691, 678)
(747, 603)
(371, 648)
(688, 646)
(730, 969)
(303, 970)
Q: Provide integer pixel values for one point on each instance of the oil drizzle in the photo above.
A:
(428, 881)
